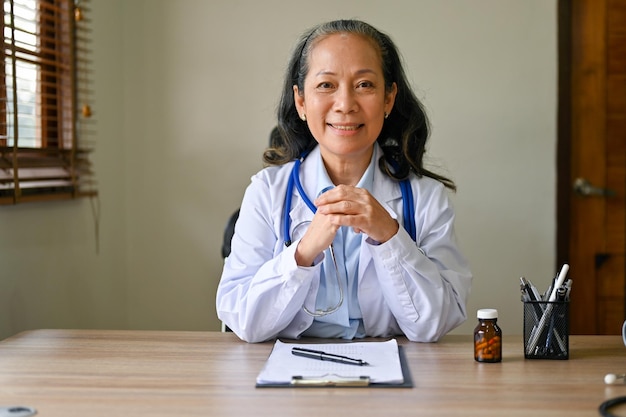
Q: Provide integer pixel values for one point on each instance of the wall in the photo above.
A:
(186, 93)
(56, 270)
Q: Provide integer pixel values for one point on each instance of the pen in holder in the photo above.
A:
(546, 329)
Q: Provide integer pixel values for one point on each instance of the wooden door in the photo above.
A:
(592, 154)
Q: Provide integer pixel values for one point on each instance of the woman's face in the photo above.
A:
(344, 96)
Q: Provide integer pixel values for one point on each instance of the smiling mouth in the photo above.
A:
(344, 127)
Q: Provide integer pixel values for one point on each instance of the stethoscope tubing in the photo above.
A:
(295, 173)
(408, 207)
(286, 218)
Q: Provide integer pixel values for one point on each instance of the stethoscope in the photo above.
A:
(609, 379)
(606, 406)
(294, 181)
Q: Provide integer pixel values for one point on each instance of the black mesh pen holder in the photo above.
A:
(546, 329)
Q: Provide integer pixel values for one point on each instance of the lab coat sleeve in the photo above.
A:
(425, 284)
(262, 289)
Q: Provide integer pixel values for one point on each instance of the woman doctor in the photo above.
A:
(330, 242)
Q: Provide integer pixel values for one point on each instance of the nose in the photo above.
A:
(345, 100)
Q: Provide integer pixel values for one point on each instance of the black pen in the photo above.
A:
(323, 356)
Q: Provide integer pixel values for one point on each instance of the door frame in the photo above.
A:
(585, 140)
(564, 132)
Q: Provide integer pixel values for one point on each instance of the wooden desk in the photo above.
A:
(68, 373)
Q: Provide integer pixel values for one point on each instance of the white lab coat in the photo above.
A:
(419, 290)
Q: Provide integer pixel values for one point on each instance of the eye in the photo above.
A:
(325, 85)
(365, 85)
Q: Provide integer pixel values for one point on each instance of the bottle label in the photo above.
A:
(487, 344)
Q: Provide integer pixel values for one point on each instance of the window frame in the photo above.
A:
(59, 167)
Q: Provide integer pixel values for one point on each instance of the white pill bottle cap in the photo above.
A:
(487, 313)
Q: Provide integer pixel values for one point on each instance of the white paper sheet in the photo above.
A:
(383, 359)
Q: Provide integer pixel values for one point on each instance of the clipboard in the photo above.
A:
(337, 381)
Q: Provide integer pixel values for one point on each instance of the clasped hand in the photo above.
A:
(348, 206)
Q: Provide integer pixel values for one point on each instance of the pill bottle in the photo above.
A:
(487, 336)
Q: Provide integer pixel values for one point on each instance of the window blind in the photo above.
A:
(45, 103)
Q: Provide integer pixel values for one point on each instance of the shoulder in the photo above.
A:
(273, 175)
(427, 190)
(268, 187)
(427, 183)
(265, 194)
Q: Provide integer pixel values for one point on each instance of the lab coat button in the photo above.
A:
(302, 326)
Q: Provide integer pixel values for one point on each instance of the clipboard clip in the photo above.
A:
(330, 381)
